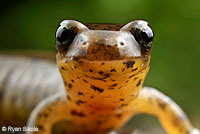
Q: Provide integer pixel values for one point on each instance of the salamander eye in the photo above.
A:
(142, 33)
(143, 37)
(66, 33)
(64, 37)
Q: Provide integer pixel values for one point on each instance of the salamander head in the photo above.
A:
(104, 42)
(104, 58)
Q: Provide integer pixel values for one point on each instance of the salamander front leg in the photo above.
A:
(173, 119)
(47, 113)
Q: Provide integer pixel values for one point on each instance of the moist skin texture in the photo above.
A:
(103, 71)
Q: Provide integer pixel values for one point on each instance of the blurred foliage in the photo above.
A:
(175, 57)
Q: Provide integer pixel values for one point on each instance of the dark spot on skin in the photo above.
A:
(111, 88)
(139, 82)
(135, 78)
(114, 85)
(162, 104)
(85, 81)
(120, 87)
(78, 102)
(86, 75)
(68, 97)
(123, 105)
(76, 113)
(91, 70)
(70, 86)
(45, 115)
(129, 64)
(78, 77)
(121, 99)
(102, 63)
(72, 81)
(101, 72)
(113, 70)
(131, 76)
(134, 69)
(113, 80)
(80, 93)
(119, 115)
(127, 81)
(123, 69)
(102, 79)
(91, 97)
(97, 89)
(62, 68)
(80, 62)
(65, 83)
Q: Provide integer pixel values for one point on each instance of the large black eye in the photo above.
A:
(144, 37)
(64, 37)
(142, 33)
(66, 34)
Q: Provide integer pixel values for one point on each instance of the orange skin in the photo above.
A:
(103, 71)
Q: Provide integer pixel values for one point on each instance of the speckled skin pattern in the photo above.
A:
(103, 69)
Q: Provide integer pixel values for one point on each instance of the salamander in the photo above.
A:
(103, 68)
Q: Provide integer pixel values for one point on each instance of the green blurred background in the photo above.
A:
(31, 24)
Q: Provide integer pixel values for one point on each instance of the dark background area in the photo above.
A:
(31, 25)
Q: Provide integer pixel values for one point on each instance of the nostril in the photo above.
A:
(122, 43)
